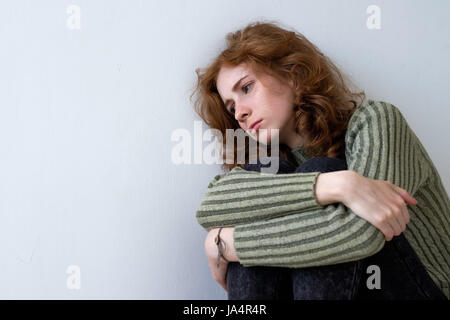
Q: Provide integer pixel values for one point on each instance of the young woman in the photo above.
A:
(357, 209)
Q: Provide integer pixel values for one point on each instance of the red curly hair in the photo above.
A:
(323, 103)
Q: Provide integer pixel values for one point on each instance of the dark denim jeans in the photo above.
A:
(402, 275)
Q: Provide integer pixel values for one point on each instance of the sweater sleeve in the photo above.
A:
(241, 196)
(379, 145)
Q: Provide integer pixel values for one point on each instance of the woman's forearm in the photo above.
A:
(242, 196)
(330, 187)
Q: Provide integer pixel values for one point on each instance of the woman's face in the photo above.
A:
(249, 99)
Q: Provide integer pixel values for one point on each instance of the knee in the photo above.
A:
(330, 282)
(322, 164)
(284, 166)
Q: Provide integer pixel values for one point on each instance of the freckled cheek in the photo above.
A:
(273, 109)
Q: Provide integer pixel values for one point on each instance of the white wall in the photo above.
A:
(86, 117)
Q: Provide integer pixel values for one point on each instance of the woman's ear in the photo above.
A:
(292, 84)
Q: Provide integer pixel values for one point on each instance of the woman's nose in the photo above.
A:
(242, 113)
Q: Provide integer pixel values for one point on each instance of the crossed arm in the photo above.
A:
(303, 231)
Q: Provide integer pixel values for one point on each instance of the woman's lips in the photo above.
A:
(256, 126)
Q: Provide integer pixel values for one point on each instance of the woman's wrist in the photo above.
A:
(230, 251)
(332, 187)
(226, 236)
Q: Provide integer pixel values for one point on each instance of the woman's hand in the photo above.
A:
(220, 274)
(379, 202)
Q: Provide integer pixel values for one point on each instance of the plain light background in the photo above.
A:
(86, 117)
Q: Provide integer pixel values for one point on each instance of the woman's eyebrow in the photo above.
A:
(235, 87)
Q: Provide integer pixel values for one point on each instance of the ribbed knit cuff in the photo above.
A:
(243, 231)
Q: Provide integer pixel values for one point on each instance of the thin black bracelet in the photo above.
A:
(220, 243)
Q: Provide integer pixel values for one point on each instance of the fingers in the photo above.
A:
(223, 282)
(388, 207)
(393, 219)
(220, 280)
(405, 213)
(407, 199)
(405, 195)
(388, 232)
(390, 229)
(219, 274)
(224, 286)
(398, 216)
(398, 224)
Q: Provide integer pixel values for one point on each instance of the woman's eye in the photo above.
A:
(243, 89)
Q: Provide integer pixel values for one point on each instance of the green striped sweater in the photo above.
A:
(278, 221)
